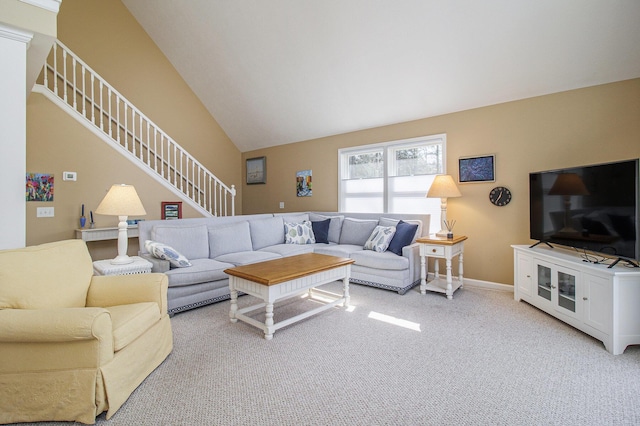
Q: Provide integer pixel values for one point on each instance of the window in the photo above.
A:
(392, 177)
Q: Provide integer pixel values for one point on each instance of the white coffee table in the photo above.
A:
(279, 279)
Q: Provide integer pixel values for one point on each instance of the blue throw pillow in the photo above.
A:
(321, 230)
(403, 237)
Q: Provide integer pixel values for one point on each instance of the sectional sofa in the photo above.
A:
(200, 249)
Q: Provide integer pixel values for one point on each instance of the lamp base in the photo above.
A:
(121, 260)
(442, 233)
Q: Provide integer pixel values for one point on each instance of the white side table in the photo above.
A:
(138, 266)
(441, 248)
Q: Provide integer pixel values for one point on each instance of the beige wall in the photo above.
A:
(108, 39)
(586, 126)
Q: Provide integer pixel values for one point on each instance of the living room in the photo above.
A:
(586, 125)
(582, 126)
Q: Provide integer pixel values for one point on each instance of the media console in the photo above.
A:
(600, 301)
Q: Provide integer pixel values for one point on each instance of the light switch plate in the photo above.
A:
(45, 212)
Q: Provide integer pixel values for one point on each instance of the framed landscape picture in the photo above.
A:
(256, 170)
(477, 169)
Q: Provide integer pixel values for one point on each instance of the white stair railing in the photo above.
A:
(74, 82)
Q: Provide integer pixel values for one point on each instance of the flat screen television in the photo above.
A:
(592, 208)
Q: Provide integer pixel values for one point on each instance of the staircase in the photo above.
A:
(74, 86)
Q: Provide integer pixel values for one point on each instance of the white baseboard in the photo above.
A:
(481, 284)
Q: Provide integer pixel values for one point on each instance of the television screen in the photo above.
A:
(592, 208)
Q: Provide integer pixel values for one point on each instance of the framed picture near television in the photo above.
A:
(171, 210)
(480, 168)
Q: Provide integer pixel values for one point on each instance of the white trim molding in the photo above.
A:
(50, 5)
(15, 34)
(488, 285)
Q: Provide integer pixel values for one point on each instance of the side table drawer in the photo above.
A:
(434, 251)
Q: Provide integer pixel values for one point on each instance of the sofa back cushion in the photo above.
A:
(52, 275)
(335, 227)
(231, 238)
(191, 241)
(355, 231)
(266, 232)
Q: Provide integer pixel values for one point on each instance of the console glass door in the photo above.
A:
(567, 291)
(544, 282)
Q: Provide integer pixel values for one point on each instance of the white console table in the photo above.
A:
(102, 234)
(600, 301)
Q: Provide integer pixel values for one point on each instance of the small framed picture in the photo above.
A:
(171, 210)
(256, 170)
(477, 169)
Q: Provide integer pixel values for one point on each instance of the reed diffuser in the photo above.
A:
(83, 220)
(449, 224)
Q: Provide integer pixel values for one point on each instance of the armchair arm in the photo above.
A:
(54, 325)
(54, 339)
(114, 290)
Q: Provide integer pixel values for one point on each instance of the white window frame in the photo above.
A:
(433, 208)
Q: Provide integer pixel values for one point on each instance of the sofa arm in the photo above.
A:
(54, 325)
(158, 265)
(114, 290)
(412, 252)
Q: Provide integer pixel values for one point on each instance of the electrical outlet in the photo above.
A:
(44, 212)
(282, 204)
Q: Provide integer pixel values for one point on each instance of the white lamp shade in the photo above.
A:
(443, 186)
(121, 200)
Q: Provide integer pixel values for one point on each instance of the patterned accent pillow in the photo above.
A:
(380, 238)
(299, 233)
(163, 251)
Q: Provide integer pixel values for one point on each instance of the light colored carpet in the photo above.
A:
(479, 359)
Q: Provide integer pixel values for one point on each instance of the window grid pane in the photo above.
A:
(368, 185)
(416, 160)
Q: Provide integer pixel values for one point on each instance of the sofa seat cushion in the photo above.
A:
(340, 250)
(285, 250)
(131, 321)
(385, 260)
(200, 271)
(247, 257)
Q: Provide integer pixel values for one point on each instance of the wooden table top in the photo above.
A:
(287, 268)
(434, 239)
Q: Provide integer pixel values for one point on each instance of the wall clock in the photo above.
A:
(500, 196)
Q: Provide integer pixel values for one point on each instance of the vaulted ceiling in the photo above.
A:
(282, 71)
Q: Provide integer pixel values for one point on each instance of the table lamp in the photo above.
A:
(568, 184)
(443, 187)
(122, 201)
